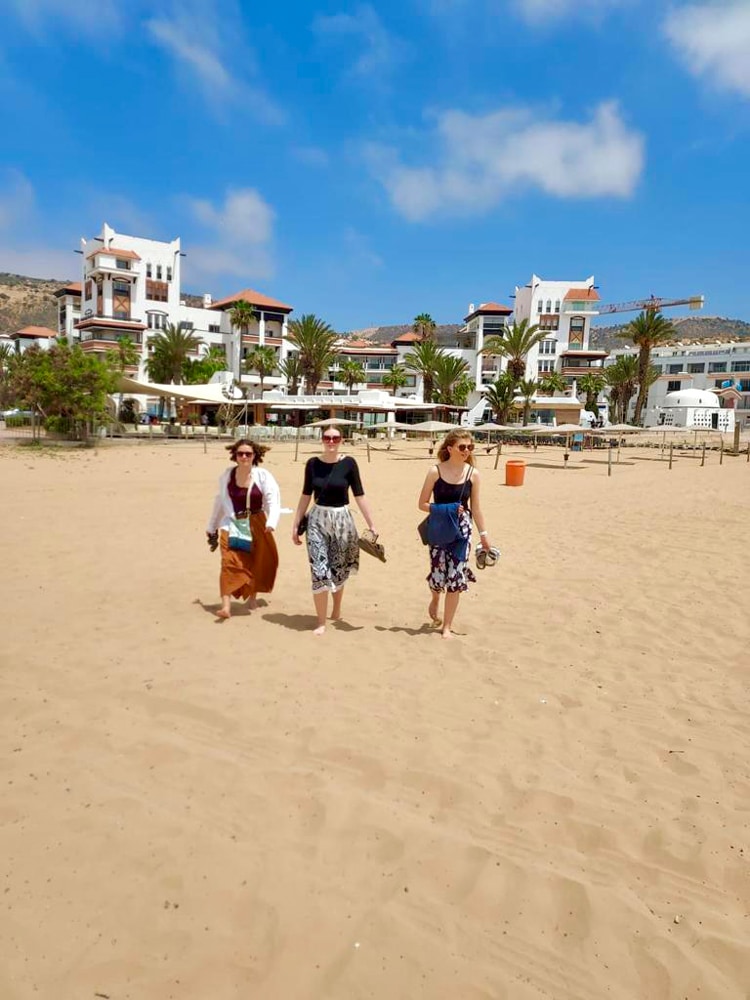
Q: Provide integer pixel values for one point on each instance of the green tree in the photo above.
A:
(424, 325)
(351, 373)
(527, 388)
(241, 316)
(449, 374)
(591, 384)
(500, 397)
(172, 347)
(125, 354)
(263, 361)
(291, 369)
(648, 330)
(622, 379)
(515, 344)
(316, 342)
(552, 383)
(422, 360)
(63, 382)
(395, 378)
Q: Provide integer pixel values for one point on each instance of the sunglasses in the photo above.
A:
(245, 454)
(464, 447)
(331, 438)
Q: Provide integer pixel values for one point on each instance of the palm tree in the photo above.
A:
(527, 388)
(125, 354)
(592, 384)
(622, 379)
(241, 317)
(448, 373)
(500, 396)
(171, 348)
(424, 325)
(351, 373)
(291, 369)
(648, 330)
(515, 344)
(263, 361)
(395, 378)
(422, 360)
(316, 341)
(552, 383)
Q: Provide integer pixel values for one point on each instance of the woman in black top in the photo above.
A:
(454, 480)
(332, 539)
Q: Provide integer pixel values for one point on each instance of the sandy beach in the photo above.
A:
(554, 805)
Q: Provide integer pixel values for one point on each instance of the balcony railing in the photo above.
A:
(110, 336)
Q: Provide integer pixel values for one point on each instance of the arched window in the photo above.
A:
(557, 305)
(549, 305)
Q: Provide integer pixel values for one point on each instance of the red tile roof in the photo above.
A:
(582, 295)
(490, 309)
(411, 337)
(122, 324)
(73, 288)
(254, 298)
(35, 331)
(113, 252)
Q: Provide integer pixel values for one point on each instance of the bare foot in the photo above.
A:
(222, 613)
(320, 630)
(251, 603)
(447, 634)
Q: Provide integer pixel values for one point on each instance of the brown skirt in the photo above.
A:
(244, 574)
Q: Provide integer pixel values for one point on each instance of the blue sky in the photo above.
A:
(369, 162)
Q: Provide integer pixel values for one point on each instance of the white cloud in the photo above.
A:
(91, 17)
(379, 51)
(713, 40)
(479, 160)
(240, 237)
(19, 228)
(206, 41)
(541, 11)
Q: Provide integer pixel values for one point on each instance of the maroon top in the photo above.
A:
(238, 496)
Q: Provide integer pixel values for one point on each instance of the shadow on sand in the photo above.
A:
(306, 623)
(239, 609)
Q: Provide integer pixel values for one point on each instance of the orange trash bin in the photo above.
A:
(514, 472)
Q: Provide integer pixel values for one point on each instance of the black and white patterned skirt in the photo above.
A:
(332, 547)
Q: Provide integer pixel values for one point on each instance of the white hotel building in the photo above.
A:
(721, 368)
(131, 287)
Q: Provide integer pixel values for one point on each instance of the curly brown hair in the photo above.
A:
(259, 450)
(453, 438)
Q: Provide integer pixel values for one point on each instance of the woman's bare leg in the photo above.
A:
(451, 606)
(338, 597)
(434, 607)
(320, 600)
(226, 607)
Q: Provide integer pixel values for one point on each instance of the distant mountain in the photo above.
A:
(31, 302)
(445, 335)
(688, 328)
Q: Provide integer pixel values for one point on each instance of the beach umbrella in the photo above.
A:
(330, 421)
(434, 426)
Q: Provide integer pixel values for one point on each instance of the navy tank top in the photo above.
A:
(445, 492)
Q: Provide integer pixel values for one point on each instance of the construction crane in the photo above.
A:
(652, 304)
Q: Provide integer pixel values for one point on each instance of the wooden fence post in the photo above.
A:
(703, 455)
(671, 447)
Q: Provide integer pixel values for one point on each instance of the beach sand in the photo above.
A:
(554, 805)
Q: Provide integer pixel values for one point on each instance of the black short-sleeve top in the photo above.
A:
(330, 482)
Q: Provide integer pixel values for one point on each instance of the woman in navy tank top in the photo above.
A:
(454, 480)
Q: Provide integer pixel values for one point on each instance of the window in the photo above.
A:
(697, 367)
(657, 368)
(577, 325)
(122, 264)
(540, 306)
(741, 366)
(744, 385)
(547, 346)
(88, 289)
(158, 272)
(156, 291)
(549, 305)
(186, 325)
(169, 274)
(674, 369)
(557, 305)
(214, 328)
(674, 385)
(717, 366)
(545, 366)
(148, 270)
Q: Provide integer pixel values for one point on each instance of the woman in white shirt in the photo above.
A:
(245, 490)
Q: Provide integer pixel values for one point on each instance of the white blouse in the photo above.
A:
(223, 509)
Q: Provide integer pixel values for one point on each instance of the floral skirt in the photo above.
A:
(332, 547)
(245, 574)
(447, 572)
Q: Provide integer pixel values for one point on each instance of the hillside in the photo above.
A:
(688, 328)
(31, 302)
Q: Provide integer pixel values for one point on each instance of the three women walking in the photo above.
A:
(332, 539)
(455, 487)
(247, 493)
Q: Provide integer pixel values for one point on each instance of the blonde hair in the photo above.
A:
(453, 438)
